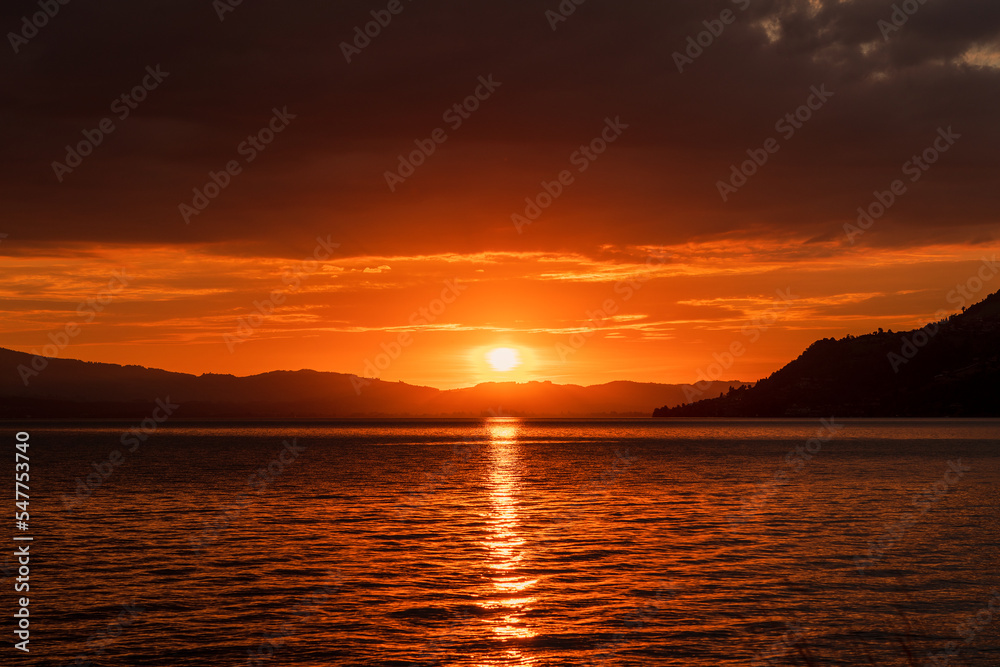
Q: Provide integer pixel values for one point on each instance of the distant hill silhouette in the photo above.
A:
(67, 388)
(949, 368)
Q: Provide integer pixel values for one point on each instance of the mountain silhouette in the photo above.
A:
(35, 387)
(948, 368)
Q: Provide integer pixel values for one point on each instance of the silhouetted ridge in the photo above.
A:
(66, 388)
(945, 369)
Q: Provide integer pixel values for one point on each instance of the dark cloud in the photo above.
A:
(657, 185)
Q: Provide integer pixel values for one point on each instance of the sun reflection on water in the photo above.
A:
(510, 595)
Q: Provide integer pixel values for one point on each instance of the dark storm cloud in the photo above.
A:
(323, 174)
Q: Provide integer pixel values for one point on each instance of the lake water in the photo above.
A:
(508, 542)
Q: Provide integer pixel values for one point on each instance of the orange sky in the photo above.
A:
(670, 317)
(593, 113)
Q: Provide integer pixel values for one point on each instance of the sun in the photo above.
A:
(503, 359)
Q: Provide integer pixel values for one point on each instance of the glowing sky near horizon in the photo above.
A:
(635, 267)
